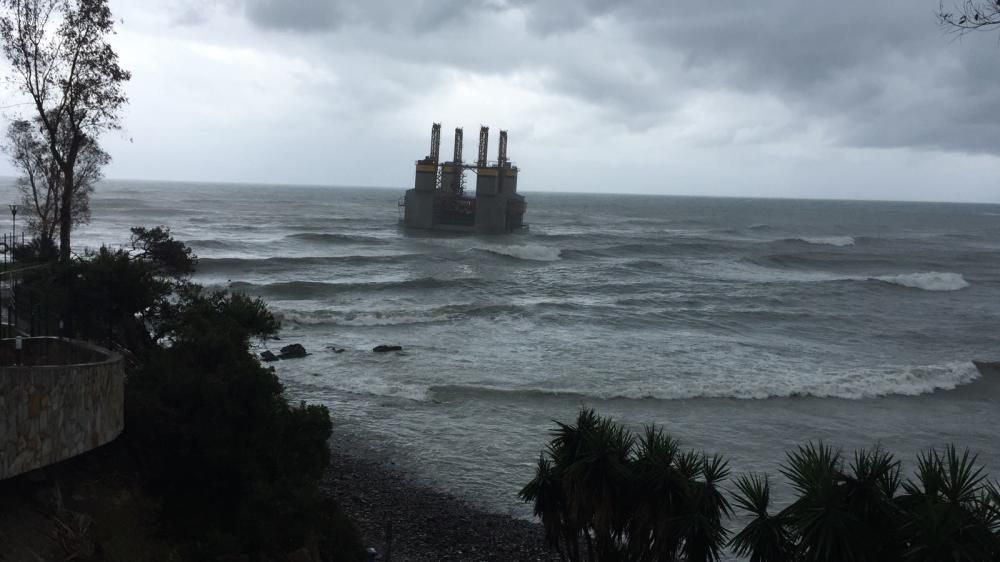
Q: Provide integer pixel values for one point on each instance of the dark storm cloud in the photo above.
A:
(883, 72)
(879, 74)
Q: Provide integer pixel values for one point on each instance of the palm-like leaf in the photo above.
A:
(545, 493)
(825, 527)
(659, 494)
(947, 510)
(766, 538)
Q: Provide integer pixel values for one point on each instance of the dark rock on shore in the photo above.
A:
(293, 351)
(424, 525)
(385, 348)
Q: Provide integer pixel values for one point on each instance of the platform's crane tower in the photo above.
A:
(458, 168)
(484, 141)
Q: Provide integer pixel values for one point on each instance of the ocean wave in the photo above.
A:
(209, 265)
(530, 252)
(929, 281)
(644, 265)
(331, 238)
(824, 260)
(313, 289)
(853, 384)
(436, 314)
(751, 270)
(212, 243)
(839, 241)
(370, 318)
(686, 247)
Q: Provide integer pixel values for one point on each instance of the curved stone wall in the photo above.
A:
(58, 398)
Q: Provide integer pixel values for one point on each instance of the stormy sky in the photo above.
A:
(774, 98)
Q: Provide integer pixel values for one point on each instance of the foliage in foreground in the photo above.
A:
(234, 466)
(605, 494)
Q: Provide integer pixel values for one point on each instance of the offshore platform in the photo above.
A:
(439, 201)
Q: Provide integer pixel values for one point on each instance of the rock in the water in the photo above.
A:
(266, 355)
(384, 348)
(293, 351)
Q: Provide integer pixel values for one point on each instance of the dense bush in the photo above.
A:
(221, 445)
(236, 467)
(604, 494)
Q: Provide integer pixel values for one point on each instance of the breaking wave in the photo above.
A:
(364, 318)
(854, 384)
(432, 315)
(930, 281)
(329, 238)
(313, 289)
(749, 270)
(839, 241)
(274, 264)
(530, 252)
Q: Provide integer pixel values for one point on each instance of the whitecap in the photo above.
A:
(839, 241)
(849, 384)
(928, 281)
(532, 252)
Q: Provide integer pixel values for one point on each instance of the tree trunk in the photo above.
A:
(66, 215)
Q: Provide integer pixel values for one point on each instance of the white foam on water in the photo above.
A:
(532, 252)
(851, 384)
(839, 241)
(929, 281)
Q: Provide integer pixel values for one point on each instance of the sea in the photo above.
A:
(744, 327)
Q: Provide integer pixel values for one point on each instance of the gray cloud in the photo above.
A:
(419, 16)
(300, 15)
(880, 74)
(716, 78)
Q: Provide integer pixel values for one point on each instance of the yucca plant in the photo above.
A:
(839, 514)
(604, 495)
(546, 493)
(949, 510)
(767, 537)
(660, 491)
(702, 529)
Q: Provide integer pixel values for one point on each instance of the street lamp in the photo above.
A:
(13, 221)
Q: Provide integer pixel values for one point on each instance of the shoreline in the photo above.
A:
(387, 503)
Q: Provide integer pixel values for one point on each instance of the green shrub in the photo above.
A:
(219, 441)
(234, 466)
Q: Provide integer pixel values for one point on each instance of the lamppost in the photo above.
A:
(13, 221)
(11, 310)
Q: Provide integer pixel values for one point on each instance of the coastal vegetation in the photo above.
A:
(231, 465)
(603, 493)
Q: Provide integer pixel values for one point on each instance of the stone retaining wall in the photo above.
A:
(51, 412)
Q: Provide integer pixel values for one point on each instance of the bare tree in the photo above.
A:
(970, 15)
(61, 59)
(41, 181)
